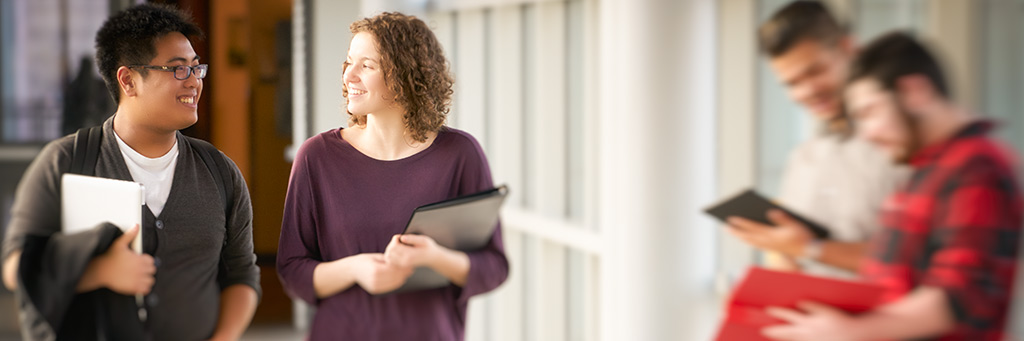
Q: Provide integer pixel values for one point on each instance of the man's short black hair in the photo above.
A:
(796, 22)
(895, 55)
(129, 37)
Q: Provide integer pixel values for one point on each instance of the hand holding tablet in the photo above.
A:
(752, 206)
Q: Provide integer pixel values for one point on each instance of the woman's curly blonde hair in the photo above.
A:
(414, 69)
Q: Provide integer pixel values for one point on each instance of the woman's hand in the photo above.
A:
(377, 276)
(412, 250)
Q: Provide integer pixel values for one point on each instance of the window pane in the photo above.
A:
(1003, 73)
(1003, 79)
(577, 118)
(41, 89)
(782, 124)
(874, 17)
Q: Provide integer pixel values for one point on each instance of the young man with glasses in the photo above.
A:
(198, 269)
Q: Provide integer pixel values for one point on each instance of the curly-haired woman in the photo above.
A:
(352, 190)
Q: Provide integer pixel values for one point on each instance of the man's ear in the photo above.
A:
(916, 92)
(847, 45)
(127, 81)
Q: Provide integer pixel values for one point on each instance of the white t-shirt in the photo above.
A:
(156, 174)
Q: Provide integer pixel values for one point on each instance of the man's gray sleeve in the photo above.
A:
(237, 256)
(36, 208)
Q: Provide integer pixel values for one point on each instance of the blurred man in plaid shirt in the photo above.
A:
(947, 252)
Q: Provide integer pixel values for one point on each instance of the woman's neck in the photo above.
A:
(387, 132)
(385, 137)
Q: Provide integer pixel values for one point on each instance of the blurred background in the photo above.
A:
(614, 122)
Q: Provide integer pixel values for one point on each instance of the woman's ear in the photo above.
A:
(126, 81)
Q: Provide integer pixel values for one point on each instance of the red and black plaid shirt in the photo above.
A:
(955, 226)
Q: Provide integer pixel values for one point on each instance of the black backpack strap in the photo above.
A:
(84, 156)
(221, 174)
(86, 151)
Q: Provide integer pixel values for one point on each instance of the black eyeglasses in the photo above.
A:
(181, 72)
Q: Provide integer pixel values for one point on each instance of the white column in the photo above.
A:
(737, 124)
(505, 83)
(469, 107)
(329, 47)
(300, 107)
(469, 114)
(546, 152)
(657, 90)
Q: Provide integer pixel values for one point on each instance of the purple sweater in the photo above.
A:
(341, 203)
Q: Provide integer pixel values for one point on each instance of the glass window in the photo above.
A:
(1003, 74)
(1002, 81)
(43, 90)
(875, 17)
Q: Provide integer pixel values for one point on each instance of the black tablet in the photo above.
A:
(751, 205)
(466, 223)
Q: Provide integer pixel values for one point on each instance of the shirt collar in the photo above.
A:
(929, 153)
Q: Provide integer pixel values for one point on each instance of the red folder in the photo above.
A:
(761, 288)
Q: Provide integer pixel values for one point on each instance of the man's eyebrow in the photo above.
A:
(803, 72)
(181, 59)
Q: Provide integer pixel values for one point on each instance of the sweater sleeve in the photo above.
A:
(298, 253)
(36, 209)
(238, 257)
(488, 267)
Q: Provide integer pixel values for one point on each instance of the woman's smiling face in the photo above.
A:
(367, 89)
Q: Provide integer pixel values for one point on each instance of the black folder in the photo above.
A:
(464, 223)
(751, 205)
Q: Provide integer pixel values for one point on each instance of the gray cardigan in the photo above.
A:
(187, 239)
